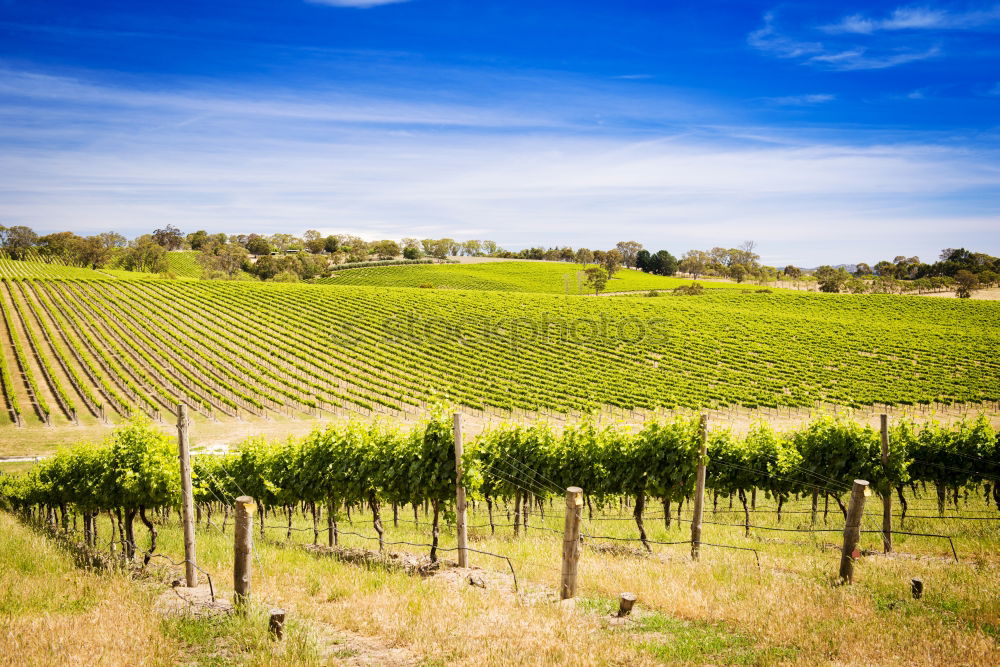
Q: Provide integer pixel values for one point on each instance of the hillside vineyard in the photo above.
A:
(74, 347)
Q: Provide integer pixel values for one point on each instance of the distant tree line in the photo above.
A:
(957, 269)
(286, 257)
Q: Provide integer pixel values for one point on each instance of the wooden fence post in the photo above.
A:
(463, 552)
(887, 497)
(276, 623)
(625, 603)
(571, 542)
(916, 588)
(699, 492)
(243, 548)
(852, 530)
(187, 496)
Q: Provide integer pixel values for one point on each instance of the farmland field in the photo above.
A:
(533, 276)
(74, 349)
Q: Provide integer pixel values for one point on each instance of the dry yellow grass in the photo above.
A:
(721, 610)
(56, 614)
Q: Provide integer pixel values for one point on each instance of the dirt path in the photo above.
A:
(992, 294)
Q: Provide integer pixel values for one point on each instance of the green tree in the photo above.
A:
(169, 237)
(258, 245)
(612, 262)
(966, 283)
(597, 278)
(831, 279)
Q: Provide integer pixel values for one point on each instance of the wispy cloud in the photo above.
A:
(358, 4)
(849, 44)
(863, 58)
(79, 154)
(802, 100)
(769, 39)
(915, 18)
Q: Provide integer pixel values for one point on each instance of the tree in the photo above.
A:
(169, 237)
(629, 250)
(472, 248)
(744, 254)
(18, 240)
(584, 256)
(490, 248)
(831, 279)
(661, 264)
(695, 262)
(642, 260)
(885, 268)
(283, 242)
(411, 253)
(612, 262)
(737, 272)
(146, 255)
(258, 245)
(386, 249)
(439, 248)
(966, 283)
(92, 252)
(226, 259)
(862, 269)
(331, 243)
(197, 239)
(597, 278)
(793, 272)
(111, 240)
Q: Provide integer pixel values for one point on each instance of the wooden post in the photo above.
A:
(463, 552)
(276, 623)
(243, 548)
(887, 497)
(625, 602)
(916, 588)
(571, 542)
(187, 496)
(699, 491)
(852, 530)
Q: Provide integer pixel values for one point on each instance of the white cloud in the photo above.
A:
(863, 58)
(769, 39)
(88, 157)
(915, 18)
(802, 100)
(358, 4)
(846, 54)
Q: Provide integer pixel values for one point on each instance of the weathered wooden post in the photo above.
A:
(625, 603)
(699, 492)
(916, 588)
(463, 552)
(852, 530)
(276, 623)
(187, 496)
(243, 549)
(887, 497)
(571, 542)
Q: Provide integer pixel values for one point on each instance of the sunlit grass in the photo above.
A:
(722, 609)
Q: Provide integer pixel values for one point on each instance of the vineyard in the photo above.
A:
(84, 350)
(531, 276)
(774, 501)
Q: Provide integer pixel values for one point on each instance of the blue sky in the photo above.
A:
(828, 133)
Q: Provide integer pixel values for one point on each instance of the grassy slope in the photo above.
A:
(721, 610)
(54, 613)
(547, 277)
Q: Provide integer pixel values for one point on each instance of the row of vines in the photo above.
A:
(368, 466)
(235, 350)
